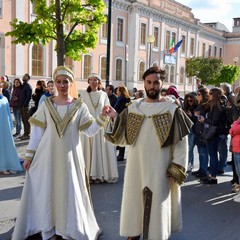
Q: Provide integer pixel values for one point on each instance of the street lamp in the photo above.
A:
(150, 40)
(235, 60)
(109, 41)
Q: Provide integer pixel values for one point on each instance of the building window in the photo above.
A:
(103, 65)
(141, 70)
(203, 49)
(119, 69)
(220, 52)
(68, 23)
(190, 81)
(156, 36)
(181, 80)
(37, 60)
(69, 62)
(167, 40)
(173, 37)
(87, 68)
(167, 72)
(209, 51)
(120, 30)
(33, 8)
(143, 31)
(172, 74)
(215, 51)
(192, 44)
(104, 29)
(183, 46)
(1, 9)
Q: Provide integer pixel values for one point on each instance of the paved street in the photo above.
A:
(208, 211)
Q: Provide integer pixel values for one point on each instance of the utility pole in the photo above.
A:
(109, 41)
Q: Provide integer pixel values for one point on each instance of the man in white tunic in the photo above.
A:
(155, 128)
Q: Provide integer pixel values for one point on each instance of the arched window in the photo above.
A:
(37, 60)
(103, 64)
(69, 62)
(172, 74)
(141, 70)
(119, 69)
(181, 80)
(87, 67)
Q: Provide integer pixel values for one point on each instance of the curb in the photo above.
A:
(19, 143)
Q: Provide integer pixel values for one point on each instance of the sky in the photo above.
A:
(222, 11)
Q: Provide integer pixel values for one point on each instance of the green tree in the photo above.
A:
(228, 74)
(211, 71)
(59, 21)
(206, 69)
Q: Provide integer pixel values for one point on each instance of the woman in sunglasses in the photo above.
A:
(189, 106)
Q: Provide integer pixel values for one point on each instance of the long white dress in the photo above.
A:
(99, 154)
(55, 198)
(146, 168)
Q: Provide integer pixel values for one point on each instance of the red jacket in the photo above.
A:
(235, 133)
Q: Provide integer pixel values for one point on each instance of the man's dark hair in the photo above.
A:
(111, 87)
(26, 74)
(153, 70)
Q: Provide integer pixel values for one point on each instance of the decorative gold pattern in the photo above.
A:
(162, 123)
(29, 154)
(38, 123)
(61, 124)
(94, 106)
(177, 172)
(134, 122)
(86, 125)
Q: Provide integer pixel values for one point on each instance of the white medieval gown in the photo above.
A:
(55, 197)
(146, 166)
(99, 154)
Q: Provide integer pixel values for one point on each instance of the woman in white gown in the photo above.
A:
(55, 199)
(99, 154)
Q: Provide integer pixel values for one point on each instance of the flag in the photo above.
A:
(177, 46)
(171, 48)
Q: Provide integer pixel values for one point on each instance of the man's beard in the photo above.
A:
(152, 94)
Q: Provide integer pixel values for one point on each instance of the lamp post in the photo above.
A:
(109, 41)
(150, 40)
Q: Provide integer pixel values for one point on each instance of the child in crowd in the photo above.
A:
(235, 134)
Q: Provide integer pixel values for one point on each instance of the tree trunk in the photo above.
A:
(60, 35)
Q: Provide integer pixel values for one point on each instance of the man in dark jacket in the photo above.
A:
(112, 97)
(24, 98)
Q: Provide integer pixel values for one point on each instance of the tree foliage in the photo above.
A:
(211, 71)
(61, 20)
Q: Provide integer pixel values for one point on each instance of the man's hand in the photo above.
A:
(109, 112)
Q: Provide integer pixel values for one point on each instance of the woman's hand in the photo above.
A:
(27, 164)
(109, 111)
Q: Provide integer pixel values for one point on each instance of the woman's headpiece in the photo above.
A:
(63, 70)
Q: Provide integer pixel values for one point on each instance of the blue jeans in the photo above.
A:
(212, 147)
(237, 164)
(203, 158)
(18, 119)
(191, 147)
(223, 151)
